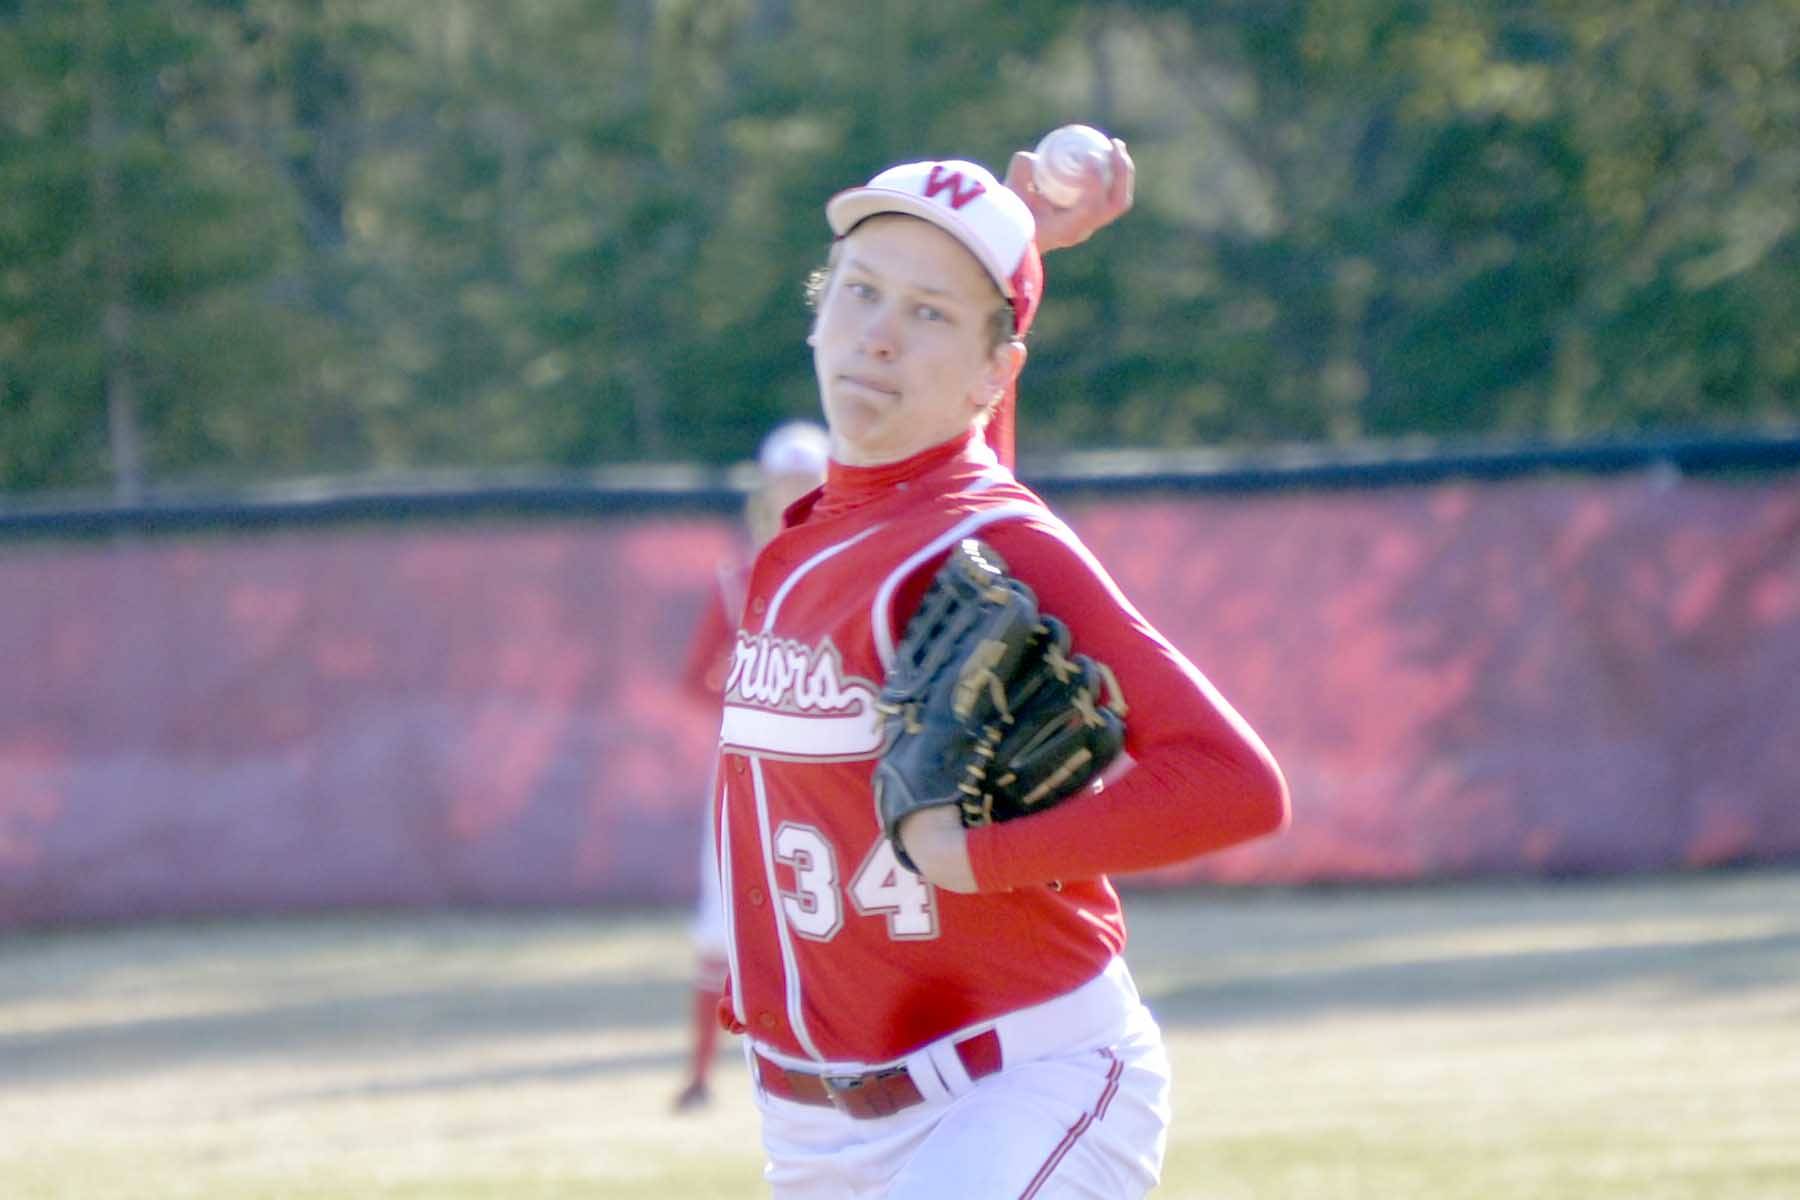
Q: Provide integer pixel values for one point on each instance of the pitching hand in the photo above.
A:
(1059, 228)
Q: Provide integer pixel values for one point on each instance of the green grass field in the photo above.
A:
(1629, 1038)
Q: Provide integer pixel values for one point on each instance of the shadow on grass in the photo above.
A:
(1204, 960)
(442, 1018)
(1682, 968)
(569, 1071)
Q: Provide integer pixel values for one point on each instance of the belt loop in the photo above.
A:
(955, 1067)
(932, 1083)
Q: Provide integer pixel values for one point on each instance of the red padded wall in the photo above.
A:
(1528, 677)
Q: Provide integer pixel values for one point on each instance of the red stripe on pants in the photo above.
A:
(1076, 1130)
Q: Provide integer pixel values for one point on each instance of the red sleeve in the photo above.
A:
(709, 653)
(726, 1010)
(1200, 779)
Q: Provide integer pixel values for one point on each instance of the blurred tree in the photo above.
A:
(138, 333)
(1379, 218)
(257, 237)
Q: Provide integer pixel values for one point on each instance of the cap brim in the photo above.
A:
(846, 209)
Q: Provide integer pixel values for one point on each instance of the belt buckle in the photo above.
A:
(842, 1089)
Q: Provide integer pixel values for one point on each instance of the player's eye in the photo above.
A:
(927, 312)
(860, 290)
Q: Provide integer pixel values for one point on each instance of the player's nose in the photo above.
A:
(880, 335)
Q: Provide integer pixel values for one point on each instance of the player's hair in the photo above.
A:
(999, 321)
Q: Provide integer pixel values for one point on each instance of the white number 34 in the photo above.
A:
(880, 887)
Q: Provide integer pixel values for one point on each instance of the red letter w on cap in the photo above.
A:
(939, 179)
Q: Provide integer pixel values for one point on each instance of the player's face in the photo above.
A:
(901, 346)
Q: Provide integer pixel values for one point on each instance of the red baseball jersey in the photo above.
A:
(837, 952)
(710, 649)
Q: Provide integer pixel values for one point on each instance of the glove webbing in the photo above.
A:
(978, 809)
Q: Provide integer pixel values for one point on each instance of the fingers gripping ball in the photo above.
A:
(1070, 160)
(985, 707)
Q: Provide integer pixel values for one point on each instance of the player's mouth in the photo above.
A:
(862, 383)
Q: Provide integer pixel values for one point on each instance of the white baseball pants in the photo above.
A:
(1086, 1119)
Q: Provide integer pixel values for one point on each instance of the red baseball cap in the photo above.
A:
(966, 201)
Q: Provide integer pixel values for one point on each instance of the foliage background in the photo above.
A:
(245, 239)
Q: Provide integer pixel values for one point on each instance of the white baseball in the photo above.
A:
(1070, 160)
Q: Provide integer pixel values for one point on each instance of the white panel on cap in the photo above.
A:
(995, 225)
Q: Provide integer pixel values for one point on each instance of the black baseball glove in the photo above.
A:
(985, 707)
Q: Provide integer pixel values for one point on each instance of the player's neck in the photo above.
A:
(848, 487)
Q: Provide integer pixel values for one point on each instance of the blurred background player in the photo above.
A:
(790, 463)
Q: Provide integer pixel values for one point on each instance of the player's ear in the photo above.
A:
(1003, 367)
(1004, 364)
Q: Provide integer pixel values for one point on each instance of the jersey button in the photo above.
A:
(766, 1020)
(759, 605)
(756, 896)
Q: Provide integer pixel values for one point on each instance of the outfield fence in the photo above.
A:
(1529, 661)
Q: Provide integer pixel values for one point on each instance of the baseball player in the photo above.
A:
(939, 1009)
(790, 462)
